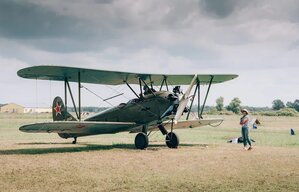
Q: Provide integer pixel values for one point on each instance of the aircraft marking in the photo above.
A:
(57, 109)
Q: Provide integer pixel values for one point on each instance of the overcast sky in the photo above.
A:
(256, 39)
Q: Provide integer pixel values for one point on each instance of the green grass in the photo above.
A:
(273, 132)
(203, 162)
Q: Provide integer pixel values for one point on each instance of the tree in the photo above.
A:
(219, 103)
(234, 105)
(290, 104)
(277, 104)
(296, 105)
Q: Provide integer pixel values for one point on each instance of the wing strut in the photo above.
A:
(164, 81)
(195, 91)
(204, 103)
(67, 87)
(65, 94)
(140, 86)
(79, 94)
(148, 87)
(72, 97)
(132, 89)
(198, 101)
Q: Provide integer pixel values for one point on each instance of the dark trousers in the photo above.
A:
(245, 136)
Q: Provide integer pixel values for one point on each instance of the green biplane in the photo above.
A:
(150, 110)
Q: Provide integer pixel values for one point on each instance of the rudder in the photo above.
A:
(59, 112)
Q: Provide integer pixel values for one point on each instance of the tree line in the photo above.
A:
(278, 107)
(278, 104)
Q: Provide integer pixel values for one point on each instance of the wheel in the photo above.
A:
(141, 141)
(172, 140)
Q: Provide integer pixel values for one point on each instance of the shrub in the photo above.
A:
(214, 111)
(287, 112)
(282, 112)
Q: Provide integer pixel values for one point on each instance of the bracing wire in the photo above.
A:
(96, 95)
(118, 92)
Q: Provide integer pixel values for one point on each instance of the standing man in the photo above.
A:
(244, 121)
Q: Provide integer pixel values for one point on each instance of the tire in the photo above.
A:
(172, 140)
(141, 141)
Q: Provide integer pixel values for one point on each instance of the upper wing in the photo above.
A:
(84, 128)
(59, 73)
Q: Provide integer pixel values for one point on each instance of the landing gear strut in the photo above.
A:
(172, 140)
(75, 140)
(141, 141)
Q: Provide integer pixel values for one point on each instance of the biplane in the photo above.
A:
(152, 109)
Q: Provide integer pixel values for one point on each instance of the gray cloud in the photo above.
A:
(76, 26)
(222, 8)
(294, 45)
(256, 39)
(20, 19)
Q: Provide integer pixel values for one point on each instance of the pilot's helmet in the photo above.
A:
(177, 89)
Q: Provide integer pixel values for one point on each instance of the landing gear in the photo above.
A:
(75, 140)
(172, 140)
(141, 141)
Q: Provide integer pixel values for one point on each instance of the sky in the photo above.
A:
(257, 40)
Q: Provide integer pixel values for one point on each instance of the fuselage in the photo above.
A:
(144, 110)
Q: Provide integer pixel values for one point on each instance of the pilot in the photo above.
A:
(147, 90)
(177, 90)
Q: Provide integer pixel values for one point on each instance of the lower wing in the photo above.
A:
(181, 124)
(193, 123)
(94, 128)
(81, 128)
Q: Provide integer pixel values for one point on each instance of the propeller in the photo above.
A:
(184, 100)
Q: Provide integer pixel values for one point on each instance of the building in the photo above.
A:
(11, 108)
(37, 110)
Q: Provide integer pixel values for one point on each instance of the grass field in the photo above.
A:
(203, 162)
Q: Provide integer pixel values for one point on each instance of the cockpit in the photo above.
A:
(147, 90)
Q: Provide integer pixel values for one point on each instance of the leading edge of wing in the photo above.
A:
(78, 127)
(60, 73)
(183, 124)
(194, 123)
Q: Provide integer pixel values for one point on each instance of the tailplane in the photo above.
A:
(59, 112)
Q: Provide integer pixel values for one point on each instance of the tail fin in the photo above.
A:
(59, 112)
